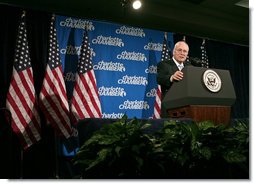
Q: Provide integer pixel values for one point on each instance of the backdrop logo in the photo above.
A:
(151, 93)
(74, 50)
(136, 56)
(134, 105)
(77, 23)
(71, 50)
(153, 46)
(130, 31)
(111, 91)
(70, 77)
(152, 69)
(113, 115)
(109, 66)
(111, 41)
(133, 80)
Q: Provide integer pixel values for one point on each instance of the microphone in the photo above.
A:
(195, 61)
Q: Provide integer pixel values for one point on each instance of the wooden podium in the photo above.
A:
(217, 114)
(203, 94)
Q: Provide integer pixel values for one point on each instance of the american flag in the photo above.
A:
(204, 57)
(85, 99)
(164, 56)
(53, 98)
(157, 104)
(21, 97)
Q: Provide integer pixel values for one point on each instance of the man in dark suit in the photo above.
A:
(169, 71)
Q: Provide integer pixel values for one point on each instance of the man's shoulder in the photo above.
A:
(168, 61)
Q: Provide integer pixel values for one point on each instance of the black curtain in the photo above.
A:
(40, 160)
(235, 59)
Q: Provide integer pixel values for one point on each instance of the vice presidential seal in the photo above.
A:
(212, 80)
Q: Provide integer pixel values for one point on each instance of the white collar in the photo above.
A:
(177, 64)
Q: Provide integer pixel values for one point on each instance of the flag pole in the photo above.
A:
(21, 149)
(8, 118)
(11, 149)
(203, 41)
(21, 163)
(23, 13)
(56, 156)
(184, 38)
(165, 35)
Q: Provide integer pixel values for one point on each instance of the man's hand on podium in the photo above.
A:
(177, 76)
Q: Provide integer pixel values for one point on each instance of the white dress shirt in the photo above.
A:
(180, 67)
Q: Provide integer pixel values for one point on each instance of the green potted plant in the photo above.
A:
(117, 150)
(204, 150)
(185, 149)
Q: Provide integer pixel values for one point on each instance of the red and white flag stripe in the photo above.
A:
(89, 104)
(55, 101)
(157, 105)
(21, 96)
(53, 97)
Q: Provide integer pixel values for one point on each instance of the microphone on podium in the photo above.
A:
(195, 61)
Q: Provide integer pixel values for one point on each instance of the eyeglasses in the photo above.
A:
(181, 50)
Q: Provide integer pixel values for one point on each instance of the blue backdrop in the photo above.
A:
(124, 60)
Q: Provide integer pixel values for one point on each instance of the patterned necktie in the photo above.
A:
(180, 67)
